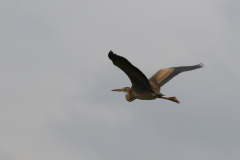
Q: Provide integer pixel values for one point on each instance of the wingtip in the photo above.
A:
(201, 65)
(110, 53)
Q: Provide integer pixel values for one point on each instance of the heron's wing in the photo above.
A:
(165, 75)
(138, 79)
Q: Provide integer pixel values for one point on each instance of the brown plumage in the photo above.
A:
(142, 88)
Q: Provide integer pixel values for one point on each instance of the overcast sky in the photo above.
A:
(56, 80)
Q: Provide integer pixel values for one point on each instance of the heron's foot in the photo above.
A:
(174, 99)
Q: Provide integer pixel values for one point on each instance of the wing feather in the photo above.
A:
(138, 79)
(164, 75)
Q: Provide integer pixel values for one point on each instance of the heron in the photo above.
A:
(143, 88)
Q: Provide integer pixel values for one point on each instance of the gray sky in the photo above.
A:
(55, 92)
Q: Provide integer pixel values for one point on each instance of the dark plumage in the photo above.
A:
(142, 88)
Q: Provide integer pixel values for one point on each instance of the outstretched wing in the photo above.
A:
(165, 75)
(138, 79)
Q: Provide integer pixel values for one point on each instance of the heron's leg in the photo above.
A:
(174, 99)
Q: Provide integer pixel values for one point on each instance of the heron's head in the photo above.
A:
(125, 89)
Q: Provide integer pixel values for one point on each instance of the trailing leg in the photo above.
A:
(174, 99)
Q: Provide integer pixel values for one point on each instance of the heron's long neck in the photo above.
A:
(130, 96)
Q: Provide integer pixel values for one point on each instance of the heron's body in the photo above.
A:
(132, 95)
(143, 88)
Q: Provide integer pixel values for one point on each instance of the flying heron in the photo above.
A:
(143, 88)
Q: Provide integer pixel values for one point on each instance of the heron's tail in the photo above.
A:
(159, 94)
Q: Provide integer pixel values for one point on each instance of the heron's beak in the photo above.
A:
(118, 90)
